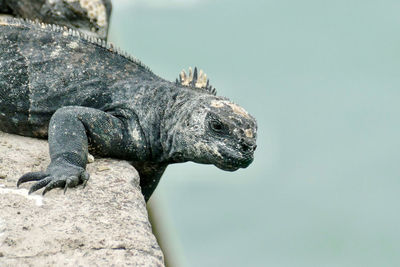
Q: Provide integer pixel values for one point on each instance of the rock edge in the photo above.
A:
(104, 224)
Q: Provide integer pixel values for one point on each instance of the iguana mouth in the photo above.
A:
(234, 163)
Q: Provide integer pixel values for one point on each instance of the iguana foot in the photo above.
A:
(61, 176)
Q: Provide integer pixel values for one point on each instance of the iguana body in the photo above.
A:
(83, 95)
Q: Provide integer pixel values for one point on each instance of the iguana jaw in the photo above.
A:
(232, 164)
(233, 160)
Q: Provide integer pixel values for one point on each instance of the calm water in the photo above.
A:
(322, 79)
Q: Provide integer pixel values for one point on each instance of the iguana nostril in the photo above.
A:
(245, 147)
(248, 147)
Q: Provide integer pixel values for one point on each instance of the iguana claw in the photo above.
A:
(31, 176)
(57, 177)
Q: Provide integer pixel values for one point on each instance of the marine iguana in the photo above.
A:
(84, 95)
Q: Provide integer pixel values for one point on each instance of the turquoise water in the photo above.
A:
(322, 79)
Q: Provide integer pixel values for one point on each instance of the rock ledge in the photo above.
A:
(104, 224)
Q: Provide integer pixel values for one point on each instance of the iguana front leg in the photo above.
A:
(70, 130)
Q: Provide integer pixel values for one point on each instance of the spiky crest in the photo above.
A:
(195, 80)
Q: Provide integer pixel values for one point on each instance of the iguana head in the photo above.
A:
(214, 130)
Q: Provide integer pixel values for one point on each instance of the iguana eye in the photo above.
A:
(217, 126)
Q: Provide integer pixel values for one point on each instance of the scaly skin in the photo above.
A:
(84, 96)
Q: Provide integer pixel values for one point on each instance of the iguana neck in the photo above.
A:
(157, 103)
(177, 113)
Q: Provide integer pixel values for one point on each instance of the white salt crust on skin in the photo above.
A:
(249, 133)
(73, 45)
(136, 134)
(235, 108)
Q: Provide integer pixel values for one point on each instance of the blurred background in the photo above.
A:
(322, 78)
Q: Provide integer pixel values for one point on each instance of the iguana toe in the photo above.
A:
(31, 176)
(85, 178)
(40, 184)
(52, 182)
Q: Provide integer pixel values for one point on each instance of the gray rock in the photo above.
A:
(104, 224)
(89, 16)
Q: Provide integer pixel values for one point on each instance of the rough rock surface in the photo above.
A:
(104, 224)
(89, 16)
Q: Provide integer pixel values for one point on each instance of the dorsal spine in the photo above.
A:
(73, 33)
